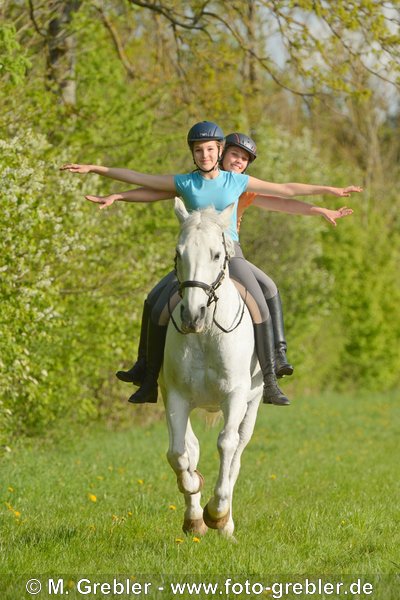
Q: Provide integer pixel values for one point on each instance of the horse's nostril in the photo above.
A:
(182, 310)
(202, 312)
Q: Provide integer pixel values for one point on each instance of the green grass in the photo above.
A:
(317, 495)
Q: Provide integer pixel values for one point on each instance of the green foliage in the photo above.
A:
(38, 223)
(73, 279)
(367, 293)
(13, 60)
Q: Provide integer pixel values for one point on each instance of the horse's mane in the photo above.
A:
(208, 219)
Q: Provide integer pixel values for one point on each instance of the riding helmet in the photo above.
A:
(242, 141)
(204, 131)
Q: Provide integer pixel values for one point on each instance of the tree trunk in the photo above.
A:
(61, 50)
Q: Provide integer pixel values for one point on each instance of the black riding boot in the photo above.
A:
(264, 339)
(136, 373)
(282, 366)
(148, 391)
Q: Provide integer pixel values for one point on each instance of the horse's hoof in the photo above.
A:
(196, 526)
(214, 523)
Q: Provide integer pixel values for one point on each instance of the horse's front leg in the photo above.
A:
(183, 456)
(193, 519)
(217, 513)
(246, 429)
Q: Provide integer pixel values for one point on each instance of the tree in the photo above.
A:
(138, 73)
(320, 40)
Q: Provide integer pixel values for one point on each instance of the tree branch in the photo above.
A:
(41, 32)
(117, 42)
(262, 61)
(190, 23)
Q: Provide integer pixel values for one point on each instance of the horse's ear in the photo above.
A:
(180, 210)
(225, 216)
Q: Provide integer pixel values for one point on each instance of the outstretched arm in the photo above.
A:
(138, 195)
(297, 189)
(155, 182)
(297, 207)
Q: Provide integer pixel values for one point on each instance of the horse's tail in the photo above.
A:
(212, 419)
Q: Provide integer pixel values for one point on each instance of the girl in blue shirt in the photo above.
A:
(209, 186)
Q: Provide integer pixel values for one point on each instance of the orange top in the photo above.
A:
(245, 200)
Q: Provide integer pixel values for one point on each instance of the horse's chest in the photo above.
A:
(202, 366)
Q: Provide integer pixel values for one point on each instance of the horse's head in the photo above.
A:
(202, 255)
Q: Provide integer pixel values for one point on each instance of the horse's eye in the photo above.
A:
(217, 256)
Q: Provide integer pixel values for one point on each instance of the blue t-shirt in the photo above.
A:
(198, 192)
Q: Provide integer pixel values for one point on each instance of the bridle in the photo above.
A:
(209, 289)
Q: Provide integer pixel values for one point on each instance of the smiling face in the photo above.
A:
(206, 154)
(235, 159)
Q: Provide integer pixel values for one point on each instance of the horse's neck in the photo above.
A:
(229, 292)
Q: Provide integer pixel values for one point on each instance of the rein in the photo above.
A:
(209, 289)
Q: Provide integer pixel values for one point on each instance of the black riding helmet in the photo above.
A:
(203, 131)
(242, 141)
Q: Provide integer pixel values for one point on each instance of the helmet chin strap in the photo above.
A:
(216, 166)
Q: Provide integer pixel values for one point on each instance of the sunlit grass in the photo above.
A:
(317, 494)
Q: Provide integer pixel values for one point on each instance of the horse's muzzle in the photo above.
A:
(193, 322)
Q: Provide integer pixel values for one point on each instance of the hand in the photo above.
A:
(347, 191)
(332, 215)
(103, 201)
(73, 168)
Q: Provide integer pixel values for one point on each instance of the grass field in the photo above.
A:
(317, 496)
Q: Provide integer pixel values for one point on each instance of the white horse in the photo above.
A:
(209, 362)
